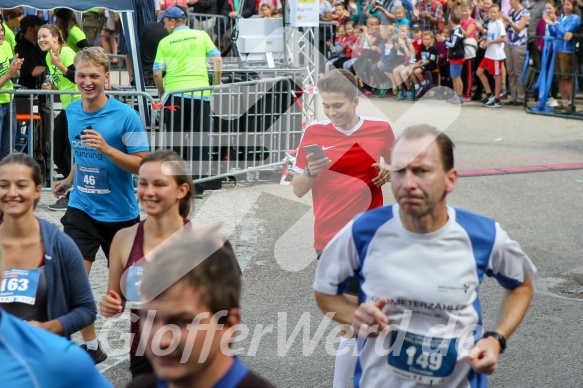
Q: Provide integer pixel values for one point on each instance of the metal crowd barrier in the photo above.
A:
(214, 25)
(250, 126)
(118, 68)
(327, 33)
(245, 127)
(543, 81)
(36, 111)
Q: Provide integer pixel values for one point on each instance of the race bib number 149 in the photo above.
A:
(427, 362)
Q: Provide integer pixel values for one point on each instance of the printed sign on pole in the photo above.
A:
(304, 13)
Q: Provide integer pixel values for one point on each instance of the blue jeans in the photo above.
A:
(7, 120)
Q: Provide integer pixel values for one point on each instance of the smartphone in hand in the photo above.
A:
(316, 150)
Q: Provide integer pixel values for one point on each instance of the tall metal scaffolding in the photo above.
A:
(301, 51)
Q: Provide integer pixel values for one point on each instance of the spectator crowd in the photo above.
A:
(478, 48)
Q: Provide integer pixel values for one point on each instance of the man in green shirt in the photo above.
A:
(183, 56)
(12, 18)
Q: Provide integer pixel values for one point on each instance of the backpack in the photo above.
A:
(458, 51)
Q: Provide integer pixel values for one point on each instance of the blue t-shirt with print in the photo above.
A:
(102, 189)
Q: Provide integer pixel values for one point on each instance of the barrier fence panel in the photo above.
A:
(36, 111)
(214, 25)
(327, 34)
(546, 76)
(117, 68)
(237, 129)
(224, 130)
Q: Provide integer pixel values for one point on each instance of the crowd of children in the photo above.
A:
(466, 45)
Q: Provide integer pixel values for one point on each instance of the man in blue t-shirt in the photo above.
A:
(34, 357)
(108, 141)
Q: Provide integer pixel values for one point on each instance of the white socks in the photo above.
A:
(92, 345)
(345, 362)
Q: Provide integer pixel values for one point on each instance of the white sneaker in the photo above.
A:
(551, 102)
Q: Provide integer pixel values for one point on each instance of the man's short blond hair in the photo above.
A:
(95, 55)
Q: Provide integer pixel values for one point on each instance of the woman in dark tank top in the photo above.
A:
(165, 191)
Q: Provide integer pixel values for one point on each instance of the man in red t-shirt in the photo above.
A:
(348, 181)
(345, 182)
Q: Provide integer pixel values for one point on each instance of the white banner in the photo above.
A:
(304, 13)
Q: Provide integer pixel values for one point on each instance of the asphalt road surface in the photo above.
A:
(499, 149)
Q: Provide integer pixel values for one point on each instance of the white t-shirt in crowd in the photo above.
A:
(496, 30)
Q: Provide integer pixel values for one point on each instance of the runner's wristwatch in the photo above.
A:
(308, 173)
(499, 337)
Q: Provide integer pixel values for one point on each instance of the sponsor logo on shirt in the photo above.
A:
(464, 287)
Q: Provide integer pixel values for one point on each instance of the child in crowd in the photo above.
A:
(443, 62)
(417, 40)
(428, 63)
(336, 50)
(482, 32)
(371, 53)
(456, 55)
(392, 55)
(402, 72)
(274, 4)
(400, 18)
(267, 11)
(468, 25)
(493, 58)
(340, 14)
(542, 28)
(417, 43)
(356, 48)
(346, 43)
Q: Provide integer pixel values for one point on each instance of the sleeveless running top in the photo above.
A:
(136, 254)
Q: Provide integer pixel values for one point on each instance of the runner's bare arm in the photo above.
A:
(340, 305)
(301, 183)
(484, 357)
(218, 69)
(54, 326)
(514, 307)
(61, 187)
(159, 82)
(129, 162)
(112, 302)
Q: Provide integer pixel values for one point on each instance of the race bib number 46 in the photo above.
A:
(427, 362)
(92, 180)
(19, 285)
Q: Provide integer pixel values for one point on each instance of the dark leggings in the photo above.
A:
(61, 145)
